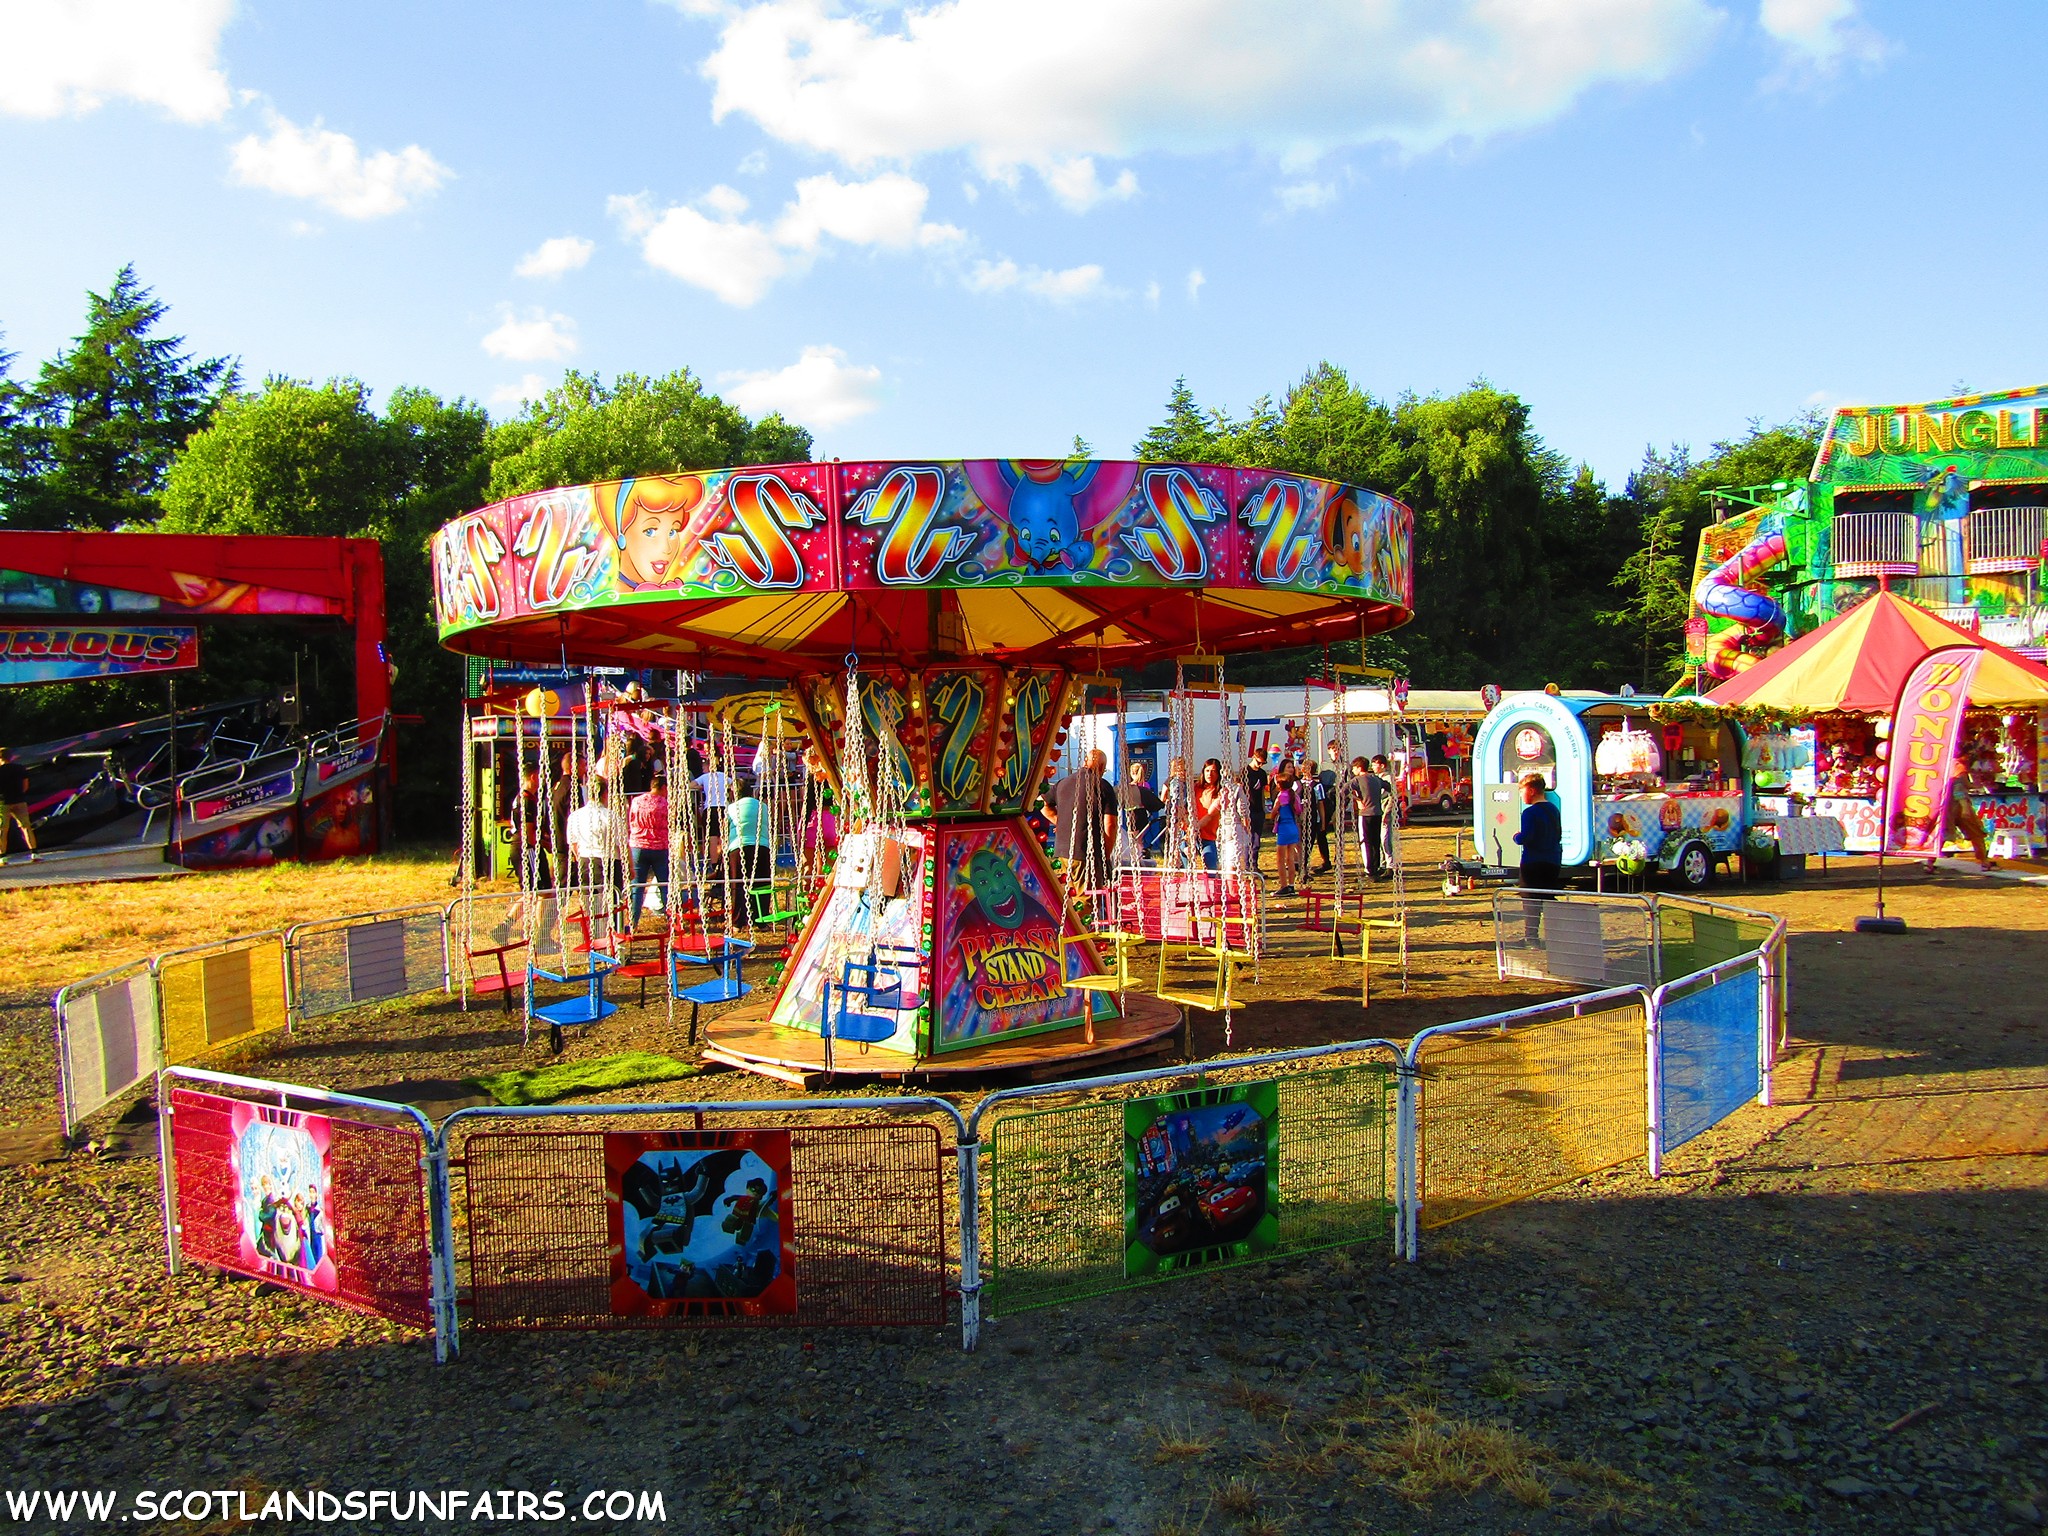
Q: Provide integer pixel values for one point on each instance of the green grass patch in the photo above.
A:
(544, 1085)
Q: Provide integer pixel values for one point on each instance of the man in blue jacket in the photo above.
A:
(1542, 840)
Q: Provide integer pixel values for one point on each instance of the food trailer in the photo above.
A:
(1618, 776)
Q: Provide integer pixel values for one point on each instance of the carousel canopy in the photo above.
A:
(1859, 662)
(783, 569)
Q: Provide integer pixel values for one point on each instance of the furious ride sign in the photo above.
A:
(55, 655)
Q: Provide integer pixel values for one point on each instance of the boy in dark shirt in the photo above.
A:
(1542, 840)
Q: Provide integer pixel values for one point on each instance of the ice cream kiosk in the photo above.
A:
(1618, 776)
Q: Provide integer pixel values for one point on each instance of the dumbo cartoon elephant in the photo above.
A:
(1044, 523)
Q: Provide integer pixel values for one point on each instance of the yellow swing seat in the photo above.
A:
(1117, 945)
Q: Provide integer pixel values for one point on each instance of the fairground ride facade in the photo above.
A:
(971, 597)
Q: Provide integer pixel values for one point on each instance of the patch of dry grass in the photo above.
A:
(1256, 1401)
(50, 935)
(1236, 1498)
(1179, 1443)
(1420, 1452)
(1409, 1445)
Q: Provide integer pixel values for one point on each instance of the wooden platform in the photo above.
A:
(745, 1039)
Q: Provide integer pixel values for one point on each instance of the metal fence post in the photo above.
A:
(1766, 1021)
(1500, 943)
(968, 1154)
(174, 1257)
(441, 1250)
(1653, 1078)
(1407, 1162)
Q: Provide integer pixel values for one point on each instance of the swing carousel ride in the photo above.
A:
(931, 626)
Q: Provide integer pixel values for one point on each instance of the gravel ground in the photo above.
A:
(1825, 1318)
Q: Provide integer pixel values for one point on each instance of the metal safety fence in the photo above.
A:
(1576, 936)
(1140, 1177)
(665, 1215)
(1522, 1102)
(108, 1039)
(260, 1179)
(212, 995)
(350, 962)
(1693, 934)
(820, 1212)
(1709, 1040)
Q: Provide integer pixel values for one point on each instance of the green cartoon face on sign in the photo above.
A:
(996, 889)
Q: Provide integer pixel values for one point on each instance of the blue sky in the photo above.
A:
(994, 225)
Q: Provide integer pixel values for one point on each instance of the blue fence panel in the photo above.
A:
(1707, 1055)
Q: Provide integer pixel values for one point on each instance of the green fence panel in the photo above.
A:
(1078, 1199)
(1694, 941)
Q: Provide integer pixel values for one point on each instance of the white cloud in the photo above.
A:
(887, 212)
(59, 56)
(551, 258)
(1062, 287)
(753, 163)
(726, 202)
(1820, 34)
(733, 261)
(821, 389)
(994, 276)
(1298, 196)
(1152, 294)
(1052, 84)
(326, 167)
(1195, 281)
(713, 246)
(509, 397)
(536, 337)
(1076, 185)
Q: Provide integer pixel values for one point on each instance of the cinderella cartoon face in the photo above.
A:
(654, 537)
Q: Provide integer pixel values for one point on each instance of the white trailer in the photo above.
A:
(1268, 712)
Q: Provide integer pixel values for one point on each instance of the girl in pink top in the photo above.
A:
(647, 837)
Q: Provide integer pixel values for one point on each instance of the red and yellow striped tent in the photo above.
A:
(1858, 662)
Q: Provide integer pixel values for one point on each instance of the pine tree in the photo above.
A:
(1186, 436)
(99, 427)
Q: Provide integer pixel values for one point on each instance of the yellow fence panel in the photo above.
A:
(1509, 1114)
(216, 996)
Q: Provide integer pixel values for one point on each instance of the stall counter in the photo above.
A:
(1659, 817)
(2023, 814)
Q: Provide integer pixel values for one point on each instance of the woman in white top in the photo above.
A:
(713, 791)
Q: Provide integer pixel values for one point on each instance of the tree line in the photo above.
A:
(1527, 568)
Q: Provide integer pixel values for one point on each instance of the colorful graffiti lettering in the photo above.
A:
(1033, 702)
(558, 537)
(1291, 539)
(909, 501)
(1171, 542)
(466, 557)
(752, 544)
(957, 705)
(882, 710)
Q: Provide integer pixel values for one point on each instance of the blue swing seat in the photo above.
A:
(879, 988)
(725, 985)
(573, 1012)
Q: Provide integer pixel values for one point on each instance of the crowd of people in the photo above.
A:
(1224, 819)
(728, 823)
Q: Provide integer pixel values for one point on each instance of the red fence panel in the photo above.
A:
(804, 1225)
(335, 1208)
